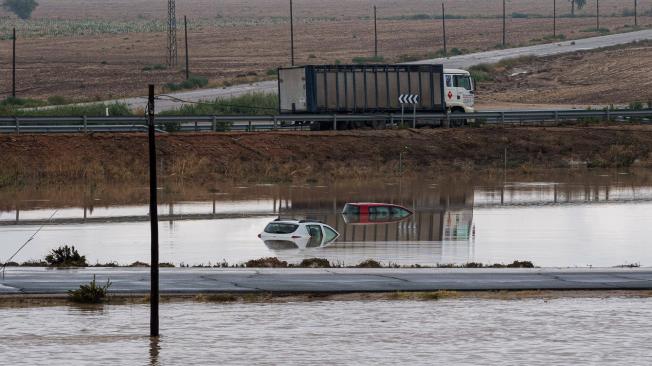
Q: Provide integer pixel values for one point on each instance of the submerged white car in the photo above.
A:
(292, 234)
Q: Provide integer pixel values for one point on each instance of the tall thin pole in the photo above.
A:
(554, 18)
(375, 33)
(504, 24)
(291, 34)
(597, 15)
(185, 25)
(443, 22)
(636, 13)
(153, 218)
(13, 68)
(172, 56)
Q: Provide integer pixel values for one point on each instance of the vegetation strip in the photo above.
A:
(27, 301)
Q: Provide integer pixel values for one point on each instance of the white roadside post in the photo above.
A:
(412, 99)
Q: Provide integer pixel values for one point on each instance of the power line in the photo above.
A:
(4, 266)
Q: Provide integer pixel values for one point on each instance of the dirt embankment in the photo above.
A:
(617, 75)
(314, 157)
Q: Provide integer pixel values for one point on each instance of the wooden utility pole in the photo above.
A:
(636, 13)
(375, 34)
(504, 24)
(13, 67)
(153, 219)
(443, 22)
(554, 18)
(291, 34)
(597, 15)
(185, 25)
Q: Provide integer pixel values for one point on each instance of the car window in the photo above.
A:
(379, 213)
(400, 213)
(329, 235)
(448, 81)
(462, 82)
(316, 235)
(351, 210)
(279, 228)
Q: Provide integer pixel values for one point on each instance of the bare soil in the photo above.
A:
(318, 156)
(236, 42)
(617, 75)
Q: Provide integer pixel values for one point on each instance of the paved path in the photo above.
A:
(463, 62)
(548, 49)
(136, 280)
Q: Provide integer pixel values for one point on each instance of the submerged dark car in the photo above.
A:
(374, 213)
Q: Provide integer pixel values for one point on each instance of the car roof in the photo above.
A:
(373, 204)
(296, 222)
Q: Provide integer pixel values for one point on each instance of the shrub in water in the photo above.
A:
(369, 263)
(315, 263)
(91, 293)
(66, 256)
(271, 262)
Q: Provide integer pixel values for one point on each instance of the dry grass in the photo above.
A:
(325, 156)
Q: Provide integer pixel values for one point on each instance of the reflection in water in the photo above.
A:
(565, 224)
(154, 349)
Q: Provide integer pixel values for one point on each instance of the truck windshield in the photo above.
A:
(462, 81)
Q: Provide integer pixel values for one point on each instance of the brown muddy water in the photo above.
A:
(599, 218)
(568, 331)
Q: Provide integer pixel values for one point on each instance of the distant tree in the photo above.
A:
(580, 4)
(22, 8)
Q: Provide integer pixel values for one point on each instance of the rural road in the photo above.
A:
(463, 62)
(195, 280)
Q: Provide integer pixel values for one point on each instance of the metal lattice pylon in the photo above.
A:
(172, 55)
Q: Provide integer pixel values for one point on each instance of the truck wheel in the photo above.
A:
(456, 121)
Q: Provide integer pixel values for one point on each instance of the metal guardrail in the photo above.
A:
(303, 122)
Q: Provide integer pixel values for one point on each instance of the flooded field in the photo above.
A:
(582, 331)
(593, 219)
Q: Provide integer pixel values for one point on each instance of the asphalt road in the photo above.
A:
(463, 62)
(548, 49)
(190, 281)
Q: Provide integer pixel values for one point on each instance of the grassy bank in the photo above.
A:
(319, 156)
(253, 103)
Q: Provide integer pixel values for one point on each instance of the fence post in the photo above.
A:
(502, 117)
(214, 124)
(275, 123)
(335, 122)
(196, 127)
(556, 117)
(391, 121)
(608, 116)
(17, 125)
(85, 125)
(446, 121)
(249, 127)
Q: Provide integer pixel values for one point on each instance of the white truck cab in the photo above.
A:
(459, 91)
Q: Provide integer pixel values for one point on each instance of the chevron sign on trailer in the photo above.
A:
(408, 99)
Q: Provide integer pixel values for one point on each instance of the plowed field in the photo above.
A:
(91, 49)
